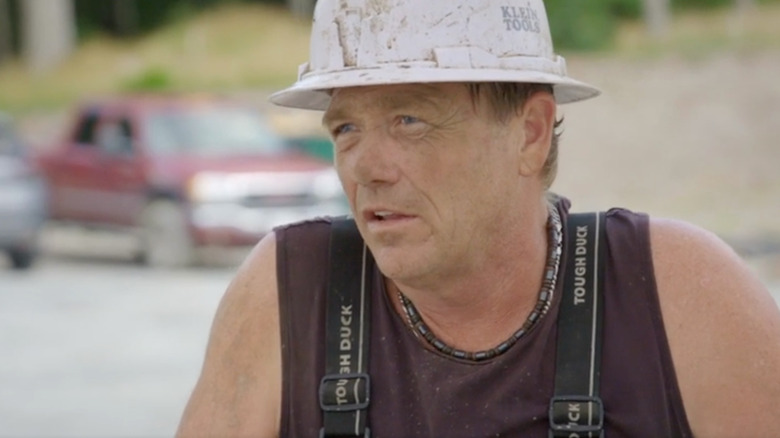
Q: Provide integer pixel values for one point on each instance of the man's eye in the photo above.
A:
(343, 129)
(408, 120)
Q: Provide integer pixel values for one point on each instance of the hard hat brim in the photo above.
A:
(313, 92)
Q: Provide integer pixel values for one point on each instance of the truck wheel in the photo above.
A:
(166, 241)
(21, 258)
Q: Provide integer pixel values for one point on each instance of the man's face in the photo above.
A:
(430, 175)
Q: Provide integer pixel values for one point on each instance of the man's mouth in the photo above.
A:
(384, 216)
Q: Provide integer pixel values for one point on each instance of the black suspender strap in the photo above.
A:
(576, 409)
(345, 390)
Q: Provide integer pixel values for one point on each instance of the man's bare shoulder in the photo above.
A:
(724, 332)
(239, 390)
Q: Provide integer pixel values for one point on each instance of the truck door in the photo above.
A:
(99, 177)
(121, 186)
(72, 171)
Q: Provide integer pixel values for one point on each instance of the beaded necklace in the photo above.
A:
(554, 244)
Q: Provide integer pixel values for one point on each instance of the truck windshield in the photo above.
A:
(211, 131)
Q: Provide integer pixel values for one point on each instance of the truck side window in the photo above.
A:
(116, 137)
(85, 135)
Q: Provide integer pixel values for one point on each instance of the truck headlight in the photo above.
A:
(211, 187)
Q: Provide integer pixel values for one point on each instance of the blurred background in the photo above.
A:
(139, 162)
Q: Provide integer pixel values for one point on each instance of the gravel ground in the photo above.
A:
(694, 139)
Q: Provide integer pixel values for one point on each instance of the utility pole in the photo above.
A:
(656, 15)
(302, 8)
(125, 17)
(48, 32)
(742, 9)
(6, 48)
(745, 5)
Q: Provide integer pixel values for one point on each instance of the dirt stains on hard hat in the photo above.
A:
(380, 6)
(348, 26)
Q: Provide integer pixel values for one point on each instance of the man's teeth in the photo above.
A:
(383, 214)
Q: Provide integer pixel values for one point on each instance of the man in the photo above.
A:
(443, 119)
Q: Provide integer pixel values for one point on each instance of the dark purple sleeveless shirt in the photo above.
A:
(416, 392)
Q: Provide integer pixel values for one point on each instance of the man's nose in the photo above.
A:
(375, 159)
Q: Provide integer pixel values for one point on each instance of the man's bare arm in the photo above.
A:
(724, 332)
(239, 390)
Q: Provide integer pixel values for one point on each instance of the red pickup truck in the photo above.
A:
(181, 173)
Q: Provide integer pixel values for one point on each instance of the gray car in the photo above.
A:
(22, 198)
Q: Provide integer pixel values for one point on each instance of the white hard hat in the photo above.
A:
(377, 42)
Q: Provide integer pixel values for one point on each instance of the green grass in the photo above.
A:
(251, 47)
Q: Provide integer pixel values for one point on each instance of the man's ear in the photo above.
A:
(538, 118)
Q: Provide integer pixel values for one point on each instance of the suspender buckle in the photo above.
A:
(576, 416)
(345, 392)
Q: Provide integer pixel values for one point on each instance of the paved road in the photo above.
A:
(99, 349)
